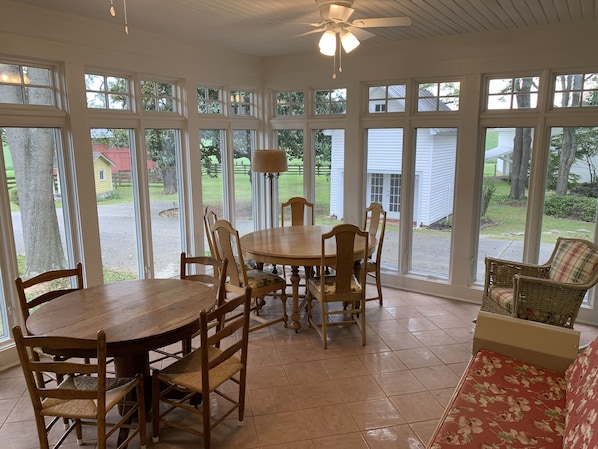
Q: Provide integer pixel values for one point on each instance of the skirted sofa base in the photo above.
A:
(525, 387)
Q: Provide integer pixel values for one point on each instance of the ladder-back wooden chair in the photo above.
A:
(85, 395)
(375, 224)
(220, 359)
(261, 282)
(345, 285)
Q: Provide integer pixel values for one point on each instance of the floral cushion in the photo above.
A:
(574, 262)
(258, 279)
(504, 404)
(581, 430)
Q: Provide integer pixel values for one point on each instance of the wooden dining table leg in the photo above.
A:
(295, 316)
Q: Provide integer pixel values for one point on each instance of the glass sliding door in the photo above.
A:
(162, 146)
(115, 178)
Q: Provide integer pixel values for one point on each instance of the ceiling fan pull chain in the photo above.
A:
(112, 10)
(126, 20)
(334, 66)
(340, 59)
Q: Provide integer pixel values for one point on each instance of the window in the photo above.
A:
(241, 103)
(438, 96)
(158, 96)
(513, 93)
(102, 175)
(22, 84)
(384, 168)
(386, 98)
(107, 92)
(330, 102)
(290, 103)
(209, 100)
(576, 91)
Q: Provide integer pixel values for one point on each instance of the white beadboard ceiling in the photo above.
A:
(270, 27)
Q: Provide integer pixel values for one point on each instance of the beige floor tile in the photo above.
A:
(382, 362)
(280, 428)
(418, 357)
(272, 400)
(387, 394)
(346, 441)
(375, 413)
(416, 407)
(397, 437)
(436, 377)
(360, 388)
(329, 420)
(317, 394)
(400, 382)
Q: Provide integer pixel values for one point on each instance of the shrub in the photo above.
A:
(589, 189)
(571, 206)
(488, 191)
(14, 196)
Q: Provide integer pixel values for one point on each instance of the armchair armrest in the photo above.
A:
(547, 346)
(548, 301)
(500, 272)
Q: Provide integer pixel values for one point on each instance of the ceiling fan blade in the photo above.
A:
(307, 33)
(338, 13)
(360, 33)
(382, 22)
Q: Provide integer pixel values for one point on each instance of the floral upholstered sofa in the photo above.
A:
(526, 386)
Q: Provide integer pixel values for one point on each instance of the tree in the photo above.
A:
(160, 145)
(522, 143)
(33, 151)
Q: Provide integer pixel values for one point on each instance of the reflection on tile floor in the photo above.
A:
(388, 394)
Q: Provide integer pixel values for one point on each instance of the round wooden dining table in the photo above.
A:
(137, 316)
(296, 246)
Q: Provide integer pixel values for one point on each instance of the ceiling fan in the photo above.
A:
(335, 26)
(335, 22)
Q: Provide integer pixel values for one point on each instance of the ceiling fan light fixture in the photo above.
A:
(349, 41)
(328, 43)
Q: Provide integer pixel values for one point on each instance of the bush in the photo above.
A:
(488, 191)
(589, 189)
(573, 207)
(13, 196)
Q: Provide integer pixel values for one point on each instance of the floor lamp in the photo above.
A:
(271, 163)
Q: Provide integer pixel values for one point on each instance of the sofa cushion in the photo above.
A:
(503, 296)
(503, 403)
(574, 262)
(582, 400)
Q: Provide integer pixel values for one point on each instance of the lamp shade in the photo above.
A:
(328, 43)
(349, 41)
(269, 161)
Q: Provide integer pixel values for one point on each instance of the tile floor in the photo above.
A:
(388, 394)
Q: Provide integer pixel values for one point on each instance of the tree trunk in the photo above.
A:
(32, 153)
(568, 152)
(522, 143)
(569, 148)
(521, 156)
(169, 179)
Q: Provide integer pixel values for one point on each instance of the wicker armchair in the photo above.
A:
(551, 293)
